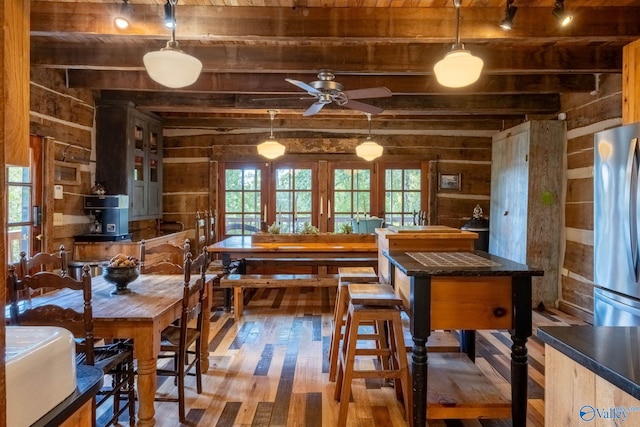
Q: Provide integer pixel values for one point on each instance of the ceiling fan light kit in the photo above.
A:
(459, 67)
(271, 148)
(170, 66)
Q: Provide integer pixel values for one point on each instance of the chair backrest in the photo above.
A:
(201, 232)
(211, 227)
(201, 261)
(77, 320)
(43, 262)
(165, 258)
(191, 304)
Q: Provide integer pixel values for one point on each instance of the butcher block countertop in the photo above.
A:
(425, 232)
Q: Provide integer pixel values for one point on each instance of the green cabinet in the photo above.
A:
(129, 156)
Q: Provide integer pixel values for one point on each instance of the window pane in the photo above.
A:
(342, 179)
(18, 241)
(243, 207)
(233, 180)
(362, 180)
(402, 191)
(303, 179)
(283, 179)
(19, 198)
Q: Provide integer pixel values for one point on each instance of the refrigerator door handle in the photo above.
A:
(635, 199)
(633, 169)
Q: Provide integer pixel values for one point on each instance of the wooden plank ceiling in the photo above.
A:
(249, 47)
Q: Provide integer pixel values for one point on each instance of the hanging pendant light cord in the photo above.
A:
(457, 4)
(272, 113)
(173, 42)
(369, 118)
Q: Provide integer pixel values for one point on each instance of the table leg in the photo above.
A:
(420, 325)
(523, 325)
(145, 353)
(206, 327)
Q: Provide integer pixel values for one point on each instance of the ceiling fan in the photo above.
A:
(325, 90)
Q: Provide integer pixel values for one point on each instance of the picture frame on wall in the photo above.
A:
(449, 181)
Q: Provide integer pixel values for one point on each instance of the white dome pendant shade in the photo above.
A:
(171, 67)
(369, 150)
(271, 148)
(459, 67)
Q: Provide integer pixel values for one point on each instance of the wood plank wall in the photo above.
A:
(586, 114)
(190, 166)
(66, 117)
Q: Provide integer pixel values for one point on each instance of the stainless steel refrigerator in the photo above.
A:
(616, 297)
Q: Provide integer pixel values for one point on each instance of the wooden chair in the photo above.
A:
(165, 258)
(178, 340)
(201, 232)
(420, 218)
(211, 227)
(115, 360)
(42, 261)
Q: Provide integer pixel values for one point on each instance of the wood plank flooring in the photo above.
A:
(271, 369)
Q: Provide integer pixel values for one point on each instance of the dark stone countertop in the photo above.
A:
(503, 267)
(89, 381)
(611, 352)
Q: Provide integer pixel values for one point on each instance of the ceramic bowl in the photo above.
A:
(121, 277)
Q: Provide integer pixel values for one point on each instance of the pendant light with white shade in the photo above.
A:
(271, 148)
(369, 149)
(170, 66)
(459, 67)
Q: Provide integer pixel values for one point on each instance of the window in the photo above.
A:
(402, 195)
(242, 200)
(19, 196)
(351, 195)
(293, 191)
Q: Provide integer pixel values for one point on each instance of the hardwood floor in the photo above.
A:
(271, 369)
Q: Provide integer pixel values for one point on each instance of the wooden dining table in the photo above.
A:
(155, 302)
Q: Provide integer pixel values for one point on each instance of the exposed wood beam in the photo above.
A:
(451, 105)
(374, 59)
(274, 83)
(357, 24)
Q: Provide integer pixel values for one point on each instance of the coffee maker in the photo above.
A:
(111, 218)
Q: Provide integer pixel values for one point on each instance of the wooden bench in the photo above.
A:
(241, 281)
(311, 262)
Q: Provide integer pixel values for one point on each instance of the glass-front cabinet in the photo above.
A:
(129, 157)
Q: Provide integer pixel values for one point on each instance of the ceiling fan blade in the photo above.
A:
(361, 106)
(314, 109)
(302, 85)
(372, 92)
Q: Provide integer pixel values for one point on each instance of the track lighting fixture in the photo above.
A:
(563, 17)
(122, 21)
(169, 20)
(170, 66)
(271, 148)
(459, 67)
(509, 14)
(369, 149)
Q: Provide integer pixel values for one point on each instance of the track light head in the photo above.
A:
(169, 19)
(122, 21)
(563, 17)
(509, 14)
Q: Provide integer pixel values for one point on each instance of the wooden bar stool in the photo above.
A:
(378, 304)
(346, 275)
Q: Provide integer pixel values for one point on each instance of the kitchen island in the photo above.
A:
(592, 374)
(470, 291)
